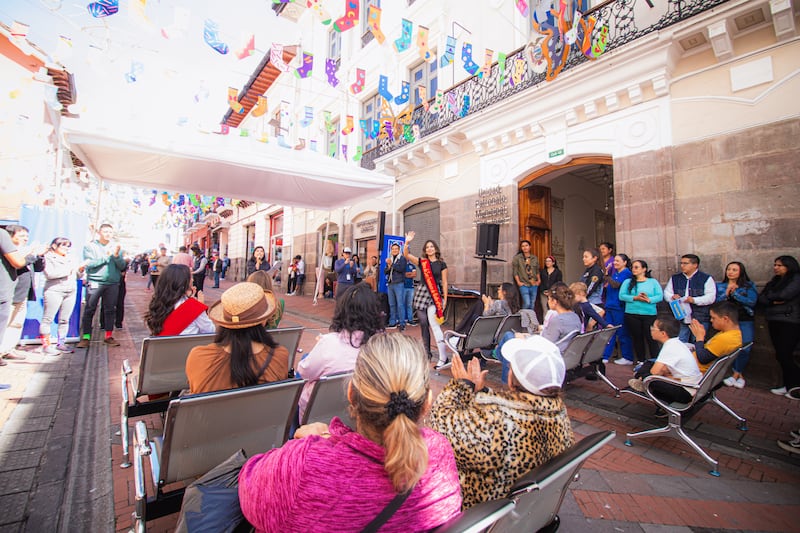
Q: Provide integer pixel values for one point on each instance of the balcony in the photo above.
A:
(627, 20)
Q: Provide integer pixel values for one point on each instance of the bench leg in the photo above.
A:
(123, 426)
(742, 421)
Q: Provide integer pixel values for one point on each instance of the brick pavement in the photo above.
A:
(656, 485)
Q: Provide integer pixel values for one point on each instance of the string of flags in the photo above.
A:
(559, 28)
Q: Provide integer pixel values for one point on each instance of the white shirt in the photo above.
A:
(680, 361)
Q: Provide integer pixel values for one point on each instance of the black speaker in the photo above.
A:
(487, 238)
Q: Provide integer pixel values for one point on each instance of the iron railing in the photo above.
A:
(619, 15)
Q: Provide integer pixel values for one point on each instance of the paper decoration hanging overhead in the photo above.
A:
(136, 69)
(319, 11)
(350, 18)
(19, 30)
(374, 22)
(356, 87)
(179, 26)
(233, 100)
(261, 107)
(402, 43)
(331, 67)
(449, 52)
(276, 57)
(422, 42)
(103, 8)
(212, 38)
(247, 48)
(304, 70)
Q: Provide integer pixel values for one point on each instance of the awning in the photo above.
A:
(224, 165)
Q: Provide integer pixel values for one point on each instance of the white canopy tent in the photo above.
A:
(224, 165)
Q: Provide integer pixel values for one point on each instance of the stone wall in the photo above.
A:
(726, 198)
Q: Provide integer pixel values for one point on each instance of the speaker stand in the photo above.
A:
(485, 267)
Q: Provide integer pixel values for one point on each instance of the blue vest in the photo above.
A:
(697, 284)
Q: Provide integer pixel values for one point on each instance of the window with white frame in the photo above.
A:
(424, 74)
(335, 45)
(370, 111)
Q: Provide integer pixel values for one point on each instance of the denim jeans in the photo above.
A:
(686, 334)
(109, 294)
(397, 300)
(616, 317)
(748, 328)
(507, 336)
(528, 294)
(407, 307)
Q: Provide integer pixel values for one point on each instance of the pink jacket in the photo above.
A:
(339, 484)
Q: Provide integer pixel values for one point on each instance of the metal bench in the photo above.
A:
(203, 430)
(329, 399)
(482, 334)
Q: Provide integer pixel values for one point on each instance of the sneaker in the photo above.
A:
(739, 383)
(4, 386)
(413, 323)
(794, 393)
(440, 365)
(12, 355)
(110, 341)
(65, 348)
(730, 381)
(2, 363)
(780, 391)
(83, 343)
(795, 434)
(391, 326)
(622, 361)
(50, 350)
(792, 446)
(636, 384)
(401, 327)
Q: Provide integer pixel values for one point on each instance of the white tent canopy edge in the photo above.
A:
(224, 165)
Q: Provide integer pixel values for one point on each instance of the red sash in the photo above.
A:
(183, 315)
(433, 288)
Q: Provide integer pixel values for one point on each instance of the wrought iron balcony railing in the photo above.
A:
(524, 68)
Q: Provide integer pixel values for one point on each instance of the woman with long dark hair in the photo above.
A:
(430, 296)
(737, 288)
(640, 293)
(781, 301)
(243, 352)
(593, 276)
(257, 261)
(356, 318)
(525, 269)
(548, 276)
(172, 310)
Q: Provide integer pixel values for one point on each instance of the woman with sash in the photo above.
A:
(173, 311)
(430, 296)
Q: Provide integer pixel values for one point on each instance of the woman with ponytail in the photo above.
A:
(334, 478)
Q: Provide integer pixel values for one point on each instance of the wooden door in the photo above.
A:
(534, 219)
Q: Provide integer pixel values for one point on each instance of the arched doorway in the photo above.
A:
(565, 209)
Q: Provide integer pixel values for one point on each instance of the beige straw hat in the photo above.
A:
(242, 306)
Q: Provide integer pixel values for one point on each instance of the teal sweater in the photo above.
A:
(101, 267)
(650, 287)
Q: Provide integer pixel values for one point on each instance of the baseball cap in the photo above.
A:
(347, 250)
(536, 362)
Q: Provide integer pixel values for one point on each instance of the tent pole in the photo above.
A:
(319, 268)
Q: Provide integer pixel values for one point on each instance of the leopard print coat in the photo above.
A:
(498, 436)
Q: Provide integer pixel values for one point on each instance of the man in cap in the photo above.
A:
(345, 269)
(498, 436)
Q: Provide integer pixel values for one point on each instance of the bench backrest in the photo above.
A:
(482, 332)
(718, 371)
(202, 430)
(329, 399)
(477, 518)
(598, 346)
(539, 493)
(290, 339)
(575, 350)
(162, 363)
(510, 323)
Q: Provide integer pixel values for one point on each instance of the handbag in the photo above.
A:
(211, 503)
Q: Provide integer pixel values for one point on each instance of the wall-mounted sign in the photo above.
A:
(491, 207)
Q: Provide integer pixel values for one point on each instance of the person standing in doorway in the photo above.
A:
(103, 262)
(525, 268)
